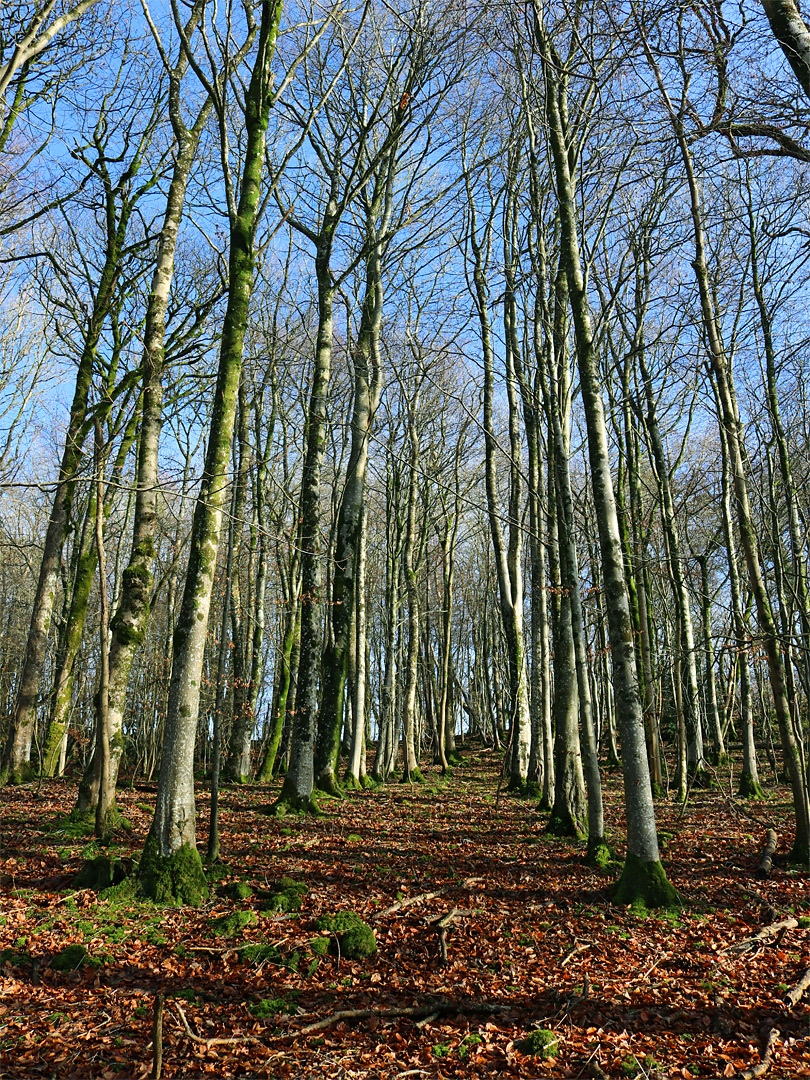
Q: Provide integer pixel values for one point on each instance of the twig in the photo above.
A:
(426, 1020)
(211, 1042)
(409, 901)
(765, 1063)
(577, 949)
(795, 993)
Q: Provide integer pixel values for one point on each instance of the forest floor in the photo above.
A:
(534, 942)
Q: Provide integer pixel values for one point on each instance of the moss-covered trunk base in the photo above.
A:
(645, 883)
(178, 878)
(750, 788)
(289, 802)
(412, 776)
(352, 782)
(329, 784)
(13, 776)
(563, 823)
(599, 854)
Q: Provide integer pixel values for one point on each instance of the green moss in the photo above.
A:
(469, 1041)
(288, 895)
(562, 824)
(73, 957)
(125, 892)
(599, 855)
(319, 946)
(234, 924)
(272, 1006)
(146, 548)
(645, 883)
(517, 785)
(102, 872)
(413, 777)
(261, 953)
(75, 825)
(540, 1043)
(14, 957)
(658, 791)
(172, 879)
(631, 1066)
(128, 635)
(236, 890)
(293, 805)
(137, 575)
(750, 788)
(804, 922)
(350, 936)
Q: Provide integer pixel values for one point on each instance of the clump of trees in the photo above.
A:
(428, 374)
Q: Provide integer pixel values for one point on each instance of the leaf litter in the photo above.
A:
(532, 941)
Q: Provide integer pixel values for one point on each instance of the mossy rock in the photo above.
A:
(268, 1007)
(172, 879)
(125, 892)
(234, 924)
(540, 1043)
(351, 937)
(287, 895)
(73, 957)
(236, 890)
(261, 952)
(102, 872)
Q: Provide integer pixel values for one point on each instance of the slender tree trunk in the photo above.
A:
(643, 876)
(730, 420)
(16, 758)
(170, 864)
(102, 717)
(129, 622)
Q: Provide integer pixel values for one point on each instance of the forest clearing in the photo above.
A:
(533, 942)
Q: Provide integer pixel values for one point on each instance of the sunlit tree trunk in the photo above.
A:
(170, 863)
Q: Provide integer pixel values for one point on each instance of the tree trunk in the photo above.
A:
(170, 865)
(643, 876)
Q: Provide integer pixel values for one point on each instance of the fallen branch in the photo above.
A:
(441, 923)
(794, 995)
(778, 929)
(765, 1063)
(409, 902)
(766, 862)
(421, 1012)
(211, 1042)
